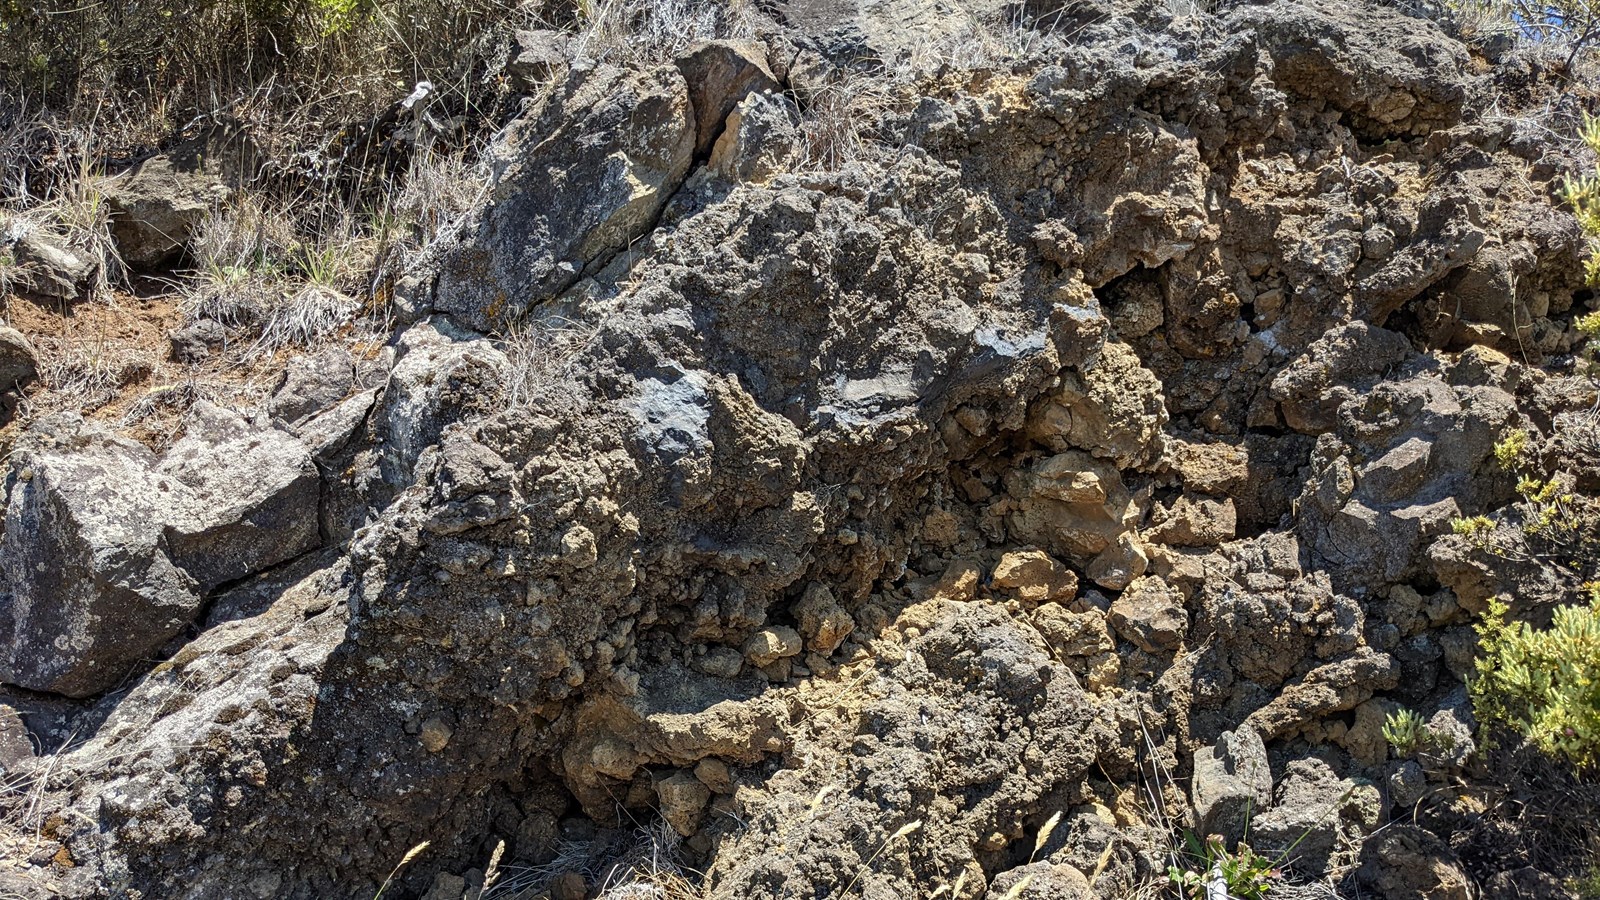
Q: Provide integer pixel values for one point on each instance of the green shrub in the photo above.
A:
(1543, 683)
(1247, 874)
(1583, 193)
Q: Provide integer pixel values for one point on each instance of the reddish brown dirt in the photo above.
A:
(111, 361)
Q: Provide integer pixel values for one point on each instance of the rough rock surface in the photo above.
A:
(110, 551)
(254, 503)
(618, 144)
(91, 587)
(19, 367)
(1231, 784)
(156, 206)
(47, 266)
(1090, 444)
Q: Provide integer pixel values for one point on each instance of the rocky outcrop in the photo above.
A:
(91, 588)
(157, 205)
(110, 551)
(574, 185)
(1091, 452)
(946, 721)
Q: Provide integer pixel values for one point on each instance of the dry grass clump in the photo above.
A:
(650, 867)
(1567, 30)
(974, 42)
(70, 206)
(842, 121)
(653, 30)
(88, 373)
(240, 254)
(295, 272)
(288, 283)
(543, 355)
(438, 190)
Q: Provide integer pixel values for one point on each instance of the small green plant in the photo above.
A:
(1246, 874)
(1409, 734)
(1587, 885)
(1552, 507)
(1583, 193)
(1589, 326)
(1551, 516)
(1405, 731)
(1508, 452)
(1543, 683)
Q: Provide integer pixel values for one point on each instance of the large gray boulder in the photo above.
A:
(109, 552)
(157, 205)
(48, 267)
(255, 492)
(572, 186)
(313, 383)
(1232, 782)
(92, 589)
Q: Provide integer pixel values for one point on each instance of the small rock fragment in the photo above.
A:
(48, 267)
(1191, 522)
(1035, 576)
(197, 340)
(720, 74)
(683, 802)
(714, 774)
(720, 662)
(772, 644)
(1073, 633)
(824, 623)
(536, 55)
(1150, 614)
(312, 383)
(446, 887)
(569, 886)
(435, 735)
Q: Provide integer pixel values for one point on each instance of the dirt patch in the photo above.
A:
(112, 362)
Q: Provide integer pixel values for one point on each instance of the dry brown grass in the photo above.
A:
(543, 357)
(649, 868)
(648, 31)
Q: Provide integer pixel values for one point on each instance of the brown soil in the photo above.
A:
(111, 361)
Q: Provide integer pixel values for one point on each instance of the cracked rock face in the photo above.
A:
(573, 186)
(110, 552)
(1112, 422)
(92, 587)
